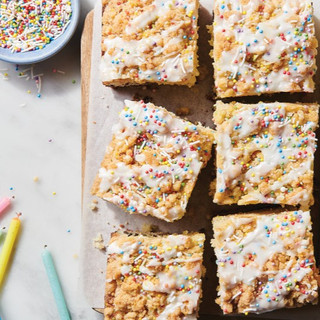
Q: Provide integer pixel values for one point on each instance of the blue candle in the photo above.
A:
(55, 285)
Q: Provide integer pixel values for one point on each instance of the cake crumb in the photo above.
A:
(98, 242)
(93, 205)
(183, 111)
(147, 228)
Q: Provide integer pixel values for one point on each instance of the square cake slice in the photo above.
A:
(153, 161)
(265, 153)
(263, 47)
(265, 261)
(154, 276)
(149, 41)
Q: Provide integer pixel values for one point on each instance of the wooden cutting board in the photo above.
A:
(86, 49)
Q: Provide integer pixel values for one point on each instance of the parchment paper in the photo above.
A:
(105, 103)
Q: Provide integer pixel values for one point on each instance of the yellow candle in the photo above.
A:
(8, 246)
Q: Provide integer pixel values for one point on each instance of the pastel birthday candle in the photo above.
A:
(8, 246)
(4, 204)
(2, 233)
(55, 285)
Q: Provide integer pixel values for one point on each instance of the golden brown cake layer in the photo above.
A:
(154, 277)
(263, 47)
(265, 153)
(265, 261)
(153, 161)
(149, 42)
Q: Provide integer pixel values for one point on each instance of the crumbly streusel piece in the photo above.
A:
(265, 261)
(265, 153)
(263, 47)
(149, 41)
(153, 161)
(154, 277)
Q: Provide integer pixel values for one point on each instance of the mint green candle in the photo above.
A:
(55, 285)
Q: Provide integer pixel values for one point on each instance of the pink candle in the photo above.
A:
(4, 204)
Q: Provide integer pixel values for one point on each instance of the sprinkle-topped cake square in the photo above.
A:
(154, 277)
(263, 47)
(265, 261)
(265, 153)
(153, 161)
(149, 41)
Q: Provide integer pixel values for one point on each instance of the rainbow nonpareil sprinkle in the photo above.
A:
(28, 25)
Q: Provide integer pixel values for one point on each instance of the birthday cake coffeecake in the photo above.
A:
(153, 161)
(265, 153)
(154, 276)
(265, 261)
(263, 47)
(149, 42)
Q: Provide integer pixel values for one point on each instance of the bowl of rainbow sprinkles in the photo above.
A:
(34, 30)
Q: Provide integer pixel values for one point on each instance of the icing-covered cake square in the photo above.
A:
(265, 261)
(263, 47)
(265, 153)
(153, 161)
(154, 277)
(149, 41)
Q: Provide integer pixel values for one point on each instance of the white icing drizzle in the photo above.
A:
(270, 129)
(181, 282)
(280, 39)
(122, 55)
(125, 249)
(242, 260)
(183, 301)
(158, 8)
(170, 140)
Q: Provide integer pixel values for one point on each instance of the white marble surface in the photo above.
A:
(26, 152)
